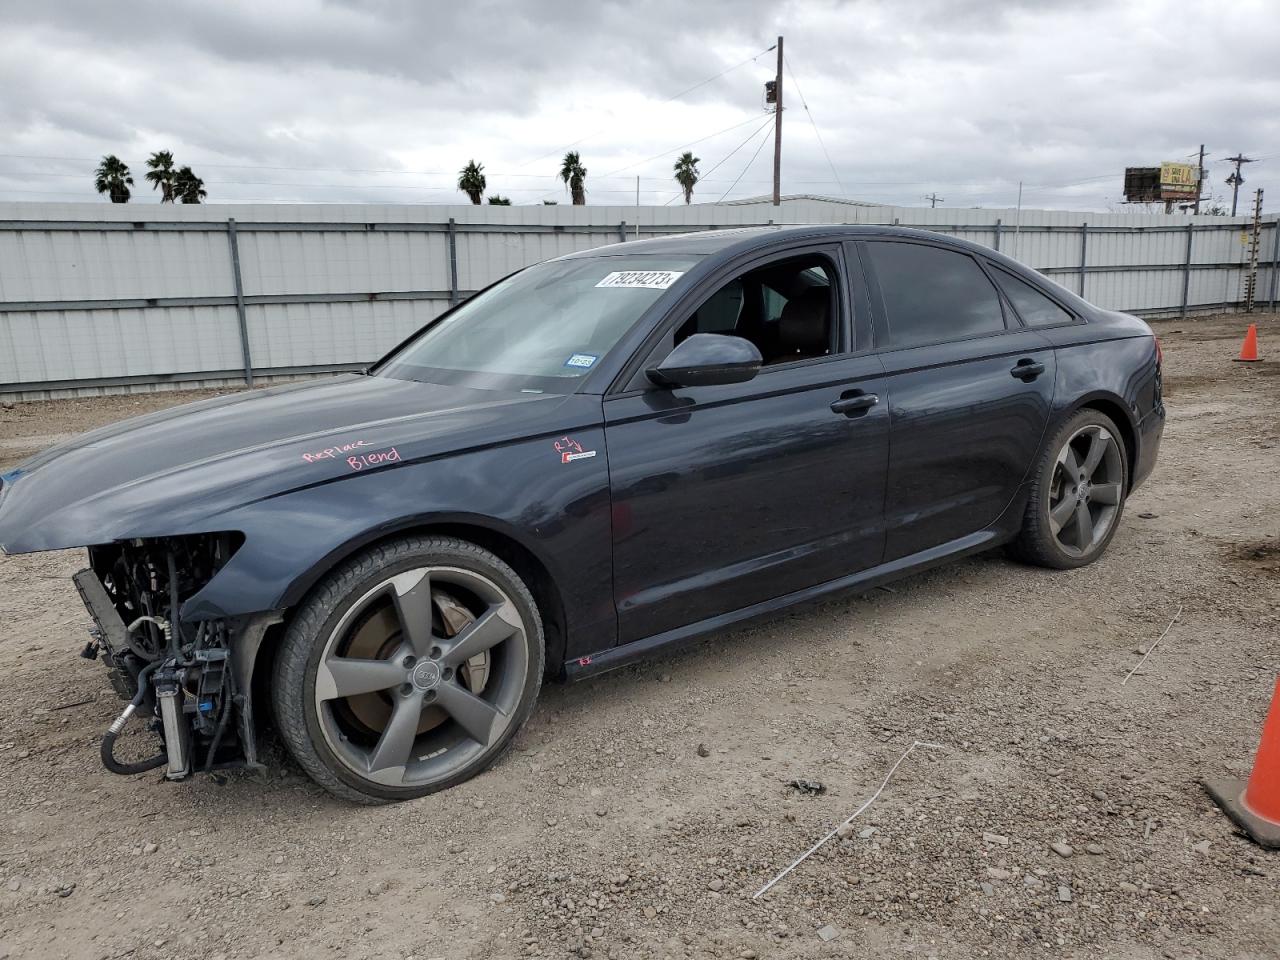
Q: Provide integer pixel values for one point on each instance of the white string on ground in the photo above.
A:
(1152, 648)
(870, 800)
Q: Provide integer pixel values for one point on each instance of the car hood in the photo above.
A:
(174, 471)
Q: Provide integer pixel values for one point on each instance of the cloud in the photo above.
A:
(385, 101)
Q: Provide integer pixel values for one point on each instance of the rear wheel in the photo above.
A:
(1077, 495)
(408, 670)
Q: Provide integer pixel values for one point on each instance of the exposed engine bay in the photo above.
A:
(191, 680)
(183, 676)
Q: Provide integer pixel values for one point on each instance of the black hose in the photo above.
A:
(109, 741)
(175, 635)
(222, 728)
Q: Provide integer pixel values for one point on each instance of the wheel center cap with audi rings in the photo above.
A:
(426, 675)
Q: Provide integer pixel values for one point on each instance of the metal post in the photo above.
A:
(998, 226)
(1084, 254)
(622, 231)
(1186, 270)
(453, 263)
(244, 324)
(1275, 263)
(1199, 180)
(1017, 222)
(1255, 238)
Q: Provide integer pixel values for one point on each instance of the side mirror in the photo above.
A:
(708, 360)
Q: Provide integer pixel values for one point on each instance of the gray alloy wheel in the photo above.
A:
(410, 670)
(1086, 491)
(1077, 494)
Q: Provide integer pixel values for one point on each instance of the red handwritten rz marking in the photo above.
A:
(375, 459)
(332, 453)
(570, 450)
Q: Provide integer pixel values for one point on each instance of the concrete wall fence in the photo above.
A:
(106, 298)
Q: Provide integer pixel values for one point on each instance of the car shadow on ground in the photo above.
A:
(753, 647)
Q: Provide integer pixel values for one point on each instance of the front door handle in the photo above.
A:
(1027, 369)
(853, 405)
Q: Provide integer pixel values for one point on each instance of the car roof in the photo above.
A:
(717, 246)
(699, 242)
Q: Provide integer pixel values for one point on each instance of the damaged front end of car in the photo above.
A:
(191, 678)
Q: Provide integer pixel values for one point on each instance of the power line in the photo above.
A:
(683, 146)
(818, 133)
(542, 176)
(665, 153)
(722, 160)
(986, 185)
(763, 141)
(534, 176)
(674, 96)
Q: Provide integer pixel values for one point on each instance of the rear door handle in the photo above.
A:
(853, 405)
(1027, 369)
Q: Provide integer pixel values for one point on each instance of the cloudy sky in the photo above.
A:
(384, 100)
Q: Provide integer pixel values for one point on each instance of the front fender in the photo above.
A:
(557, 509)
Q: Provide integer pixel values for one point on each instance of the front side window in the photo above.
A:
(932, 295)
(1035, 309)
(788, 309)
(542, 329)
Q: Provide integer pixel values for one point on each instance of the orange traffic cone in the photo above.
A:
(1255, 807)
(1249, 349)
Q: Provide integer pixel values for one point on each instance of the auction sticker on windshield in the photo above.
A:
(642, 279)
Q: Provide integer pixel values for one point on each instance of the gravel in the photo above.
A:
(1016, 670)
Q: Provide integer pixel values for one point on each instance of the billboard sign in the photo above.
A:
(1169, 182)
(1178, 181)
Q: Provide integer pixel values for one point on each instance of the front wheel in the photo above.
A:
(1077, 495)
(408, 670)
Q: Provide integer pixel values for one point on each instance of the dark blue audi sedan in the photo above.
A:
(595, 458)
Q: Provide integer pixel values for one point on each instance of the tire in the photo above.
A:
(1073, 475)
(434, 638)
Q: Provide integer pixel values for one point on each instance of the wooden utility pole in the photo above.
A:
(933, 199)
(1235, 179)
(1199, 180)
(777, 131)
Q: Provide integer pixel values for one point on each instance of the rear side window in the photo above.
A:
(931, 295)
(1035, 309)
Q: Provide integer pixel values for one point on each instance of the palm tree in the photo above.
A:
(187, 187)
(574, 175)
(686, 169)
(498, 200)
(471, 181)
(160, 174)
(113, 177)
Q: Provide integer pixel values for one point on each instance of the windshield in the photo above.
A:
(542, 329)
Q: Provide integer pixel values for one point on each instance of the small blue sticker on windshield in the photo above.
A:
(581, 360)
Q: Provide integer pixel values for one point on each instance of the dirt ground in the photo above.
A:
(608, 833)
